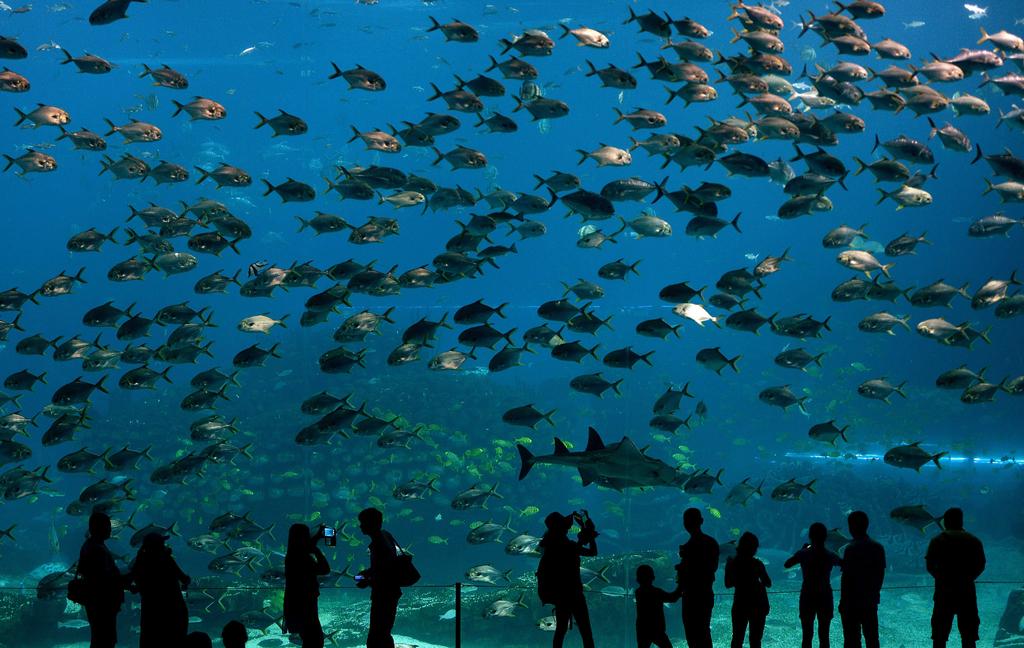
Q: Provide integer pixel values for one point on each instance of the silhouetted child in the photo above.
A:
(650, 610)
(198, 640)
(816, 563)
(748, 576)
(234, 635)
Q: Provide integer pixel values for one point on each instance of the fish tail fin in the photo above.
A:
(615, 386)
(178, 107)
(734, 363)
(336, 73)
(978, 155)
(527, 460)
(935, 459)
(434, 25)
(203, 174)
(270, 187)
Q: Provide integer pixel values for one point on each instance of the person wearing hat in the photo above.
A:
(156, 577)
(558, 573)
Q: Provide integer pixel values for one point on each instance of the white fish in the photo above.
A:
(977, 12)
(247, 51)
(914, 24)
(752, 256)
(450, 614)
(260, 324)
(694, 312)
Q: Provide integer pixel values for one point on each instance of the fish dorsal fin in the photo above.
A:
(594, 441)
(560, 447)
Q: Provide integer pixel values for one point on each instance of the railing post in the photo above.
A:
(458, 614)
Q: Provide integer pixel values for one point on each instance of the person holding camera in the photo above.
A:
(558, 574)
(383, 579)
(303, 563)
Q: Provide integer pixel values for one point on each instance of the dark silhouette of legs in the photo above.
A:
(806, 629)
(383, 612)
(824, 621)
(312, 633)
(858, 621)
(582, 616)
(563, 615)
(697, 610)
(967, 621)
(102, 626)
(739, 628)
(575, 608)
(756, 630)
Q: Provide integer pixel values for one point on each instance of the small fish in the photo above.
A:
(976, 12)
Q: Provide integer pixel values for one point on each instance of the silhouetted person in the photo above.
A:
(103, 582)
(234, 635)
(748, 576)
(158, 580)
(860, 584)
(198, 640)
(955, 559)
(816, 563)
(698, 562)
(303, 563)
(650, 610)
(380, 578)
(558, 573)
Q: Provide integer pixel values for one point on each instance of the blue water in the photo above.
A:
(265, 56)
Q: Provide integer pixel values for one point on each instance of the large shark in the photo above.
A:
(620, 465)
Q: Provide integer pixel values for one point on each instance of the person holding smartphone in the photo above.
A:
(303, 563)
(558, 573)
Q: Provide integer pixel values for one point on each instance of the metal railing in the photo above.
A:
(464, 614)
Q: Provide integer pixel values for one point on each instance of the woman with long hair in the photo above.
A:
(303, 562)
(157, 578)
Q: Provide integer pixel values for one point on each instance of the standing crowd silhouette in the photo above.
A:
(955, 559)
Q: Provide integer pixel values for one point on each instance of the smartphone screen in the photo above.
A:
(330, 536)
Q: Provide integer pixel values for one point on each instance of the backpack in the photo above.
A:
(547, 581)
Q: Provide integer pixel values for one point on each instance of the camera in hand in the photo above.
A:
(330, 536)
